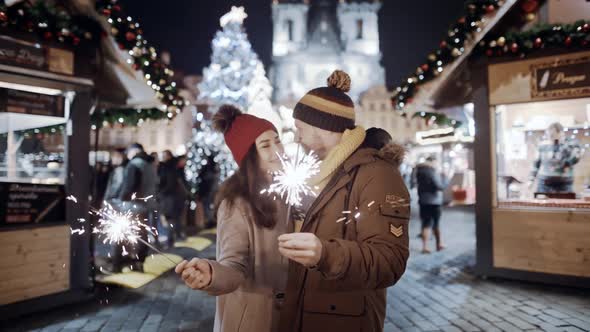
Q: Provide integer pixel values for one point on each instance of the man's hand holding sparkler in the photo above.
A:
(196, 274)
(304, 248)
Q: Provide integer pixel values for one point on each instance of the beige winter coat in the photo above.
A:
(249, 275)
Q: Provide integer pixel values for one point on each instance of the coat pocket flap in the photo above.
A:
(399, 212)
(341, 303)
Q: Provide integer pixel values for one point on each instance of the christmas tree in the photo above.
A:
(209, 160)
(233, 64)
(259, 95)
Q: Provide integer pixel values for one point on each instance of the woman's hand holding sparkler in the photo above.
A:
(304, 248)
(196, 274)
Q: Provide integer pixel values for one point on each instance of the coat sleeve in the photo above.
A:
(233, 246)
(377, 259)
(131, 181)
(438, 181)
(573, 155)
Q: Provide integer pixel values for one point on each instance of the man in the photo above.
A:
(115, 181)
(172, 194)
(353, 242)
(140, 179)
(555, 162)
(430, 198)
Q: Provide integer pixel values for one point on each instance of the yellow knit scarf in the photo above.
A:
(351, 140)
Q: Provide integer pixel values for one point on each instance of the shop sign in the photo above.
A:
(565, 78)
(35, 56)
(16, 101)
(31, 204)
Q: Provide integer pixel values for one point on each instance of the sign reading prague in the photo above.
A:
(561, 79)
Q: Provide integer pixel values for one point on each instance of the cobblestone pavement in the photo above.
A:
(437, 293)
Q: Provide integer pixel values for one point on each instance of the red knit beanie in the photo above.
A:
(240, 130)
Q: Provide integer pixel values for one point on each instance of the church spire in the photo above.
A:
(323, 26)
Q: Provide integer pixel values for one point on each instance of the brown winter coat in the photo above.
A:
(249, 271)
(347, 289)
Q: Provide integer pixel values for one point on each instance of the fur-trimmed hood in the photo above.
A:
(393, 153)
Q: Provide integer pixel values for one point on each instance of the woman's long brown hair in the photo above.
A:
(246, 184)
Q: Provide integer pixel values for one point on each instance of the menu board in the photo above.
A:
(31, 204)
(16, 101)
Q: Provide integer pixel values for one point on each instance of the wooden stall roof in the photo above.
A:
(429, 96)
(118, 84)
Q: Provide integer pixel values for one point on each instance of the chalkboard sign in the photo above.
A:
(31, 204)
(16, 101)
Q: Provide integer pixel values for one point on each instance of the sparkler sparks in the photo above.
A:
(354, 215)
(290, 183)
(117, 227)
(122, 227)
(145, 199)
(77, 231)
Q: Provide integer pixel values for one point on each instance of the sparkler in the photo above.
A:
(291, 183)
(119, 227)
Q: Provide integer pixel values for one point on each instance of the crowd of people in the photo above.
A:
(132, 173)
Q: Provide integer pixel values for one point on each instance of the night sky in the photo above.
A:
(409, 30)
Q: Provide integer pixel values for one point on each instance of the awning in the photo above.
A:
(119, 85)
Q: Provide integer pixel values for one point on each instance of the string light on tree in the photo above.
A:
(207, 146)
(236, 75)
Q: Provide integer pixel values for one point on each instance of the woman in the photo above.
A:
(249, 275)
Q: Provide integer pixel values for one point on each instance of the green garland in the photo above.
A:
(129, 36)
(519, 43)
(449, 49)
(439, 119)
(127, 117)
(50, 21)
(49, 130)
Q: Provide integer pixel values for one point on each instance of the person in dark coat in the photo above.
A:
(431, 184)
(172, 194)
(140, 179)
(115, 181)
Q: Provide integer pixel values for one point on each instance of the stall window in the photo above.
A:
(290, 29)
(32, 138)
(359, 29)
(542, 154)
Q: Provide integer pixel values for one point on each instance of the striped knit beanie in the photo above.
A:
(328, 108)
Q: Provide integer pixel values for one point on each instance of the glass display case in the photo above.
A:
(32, 144)
(542, 158)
